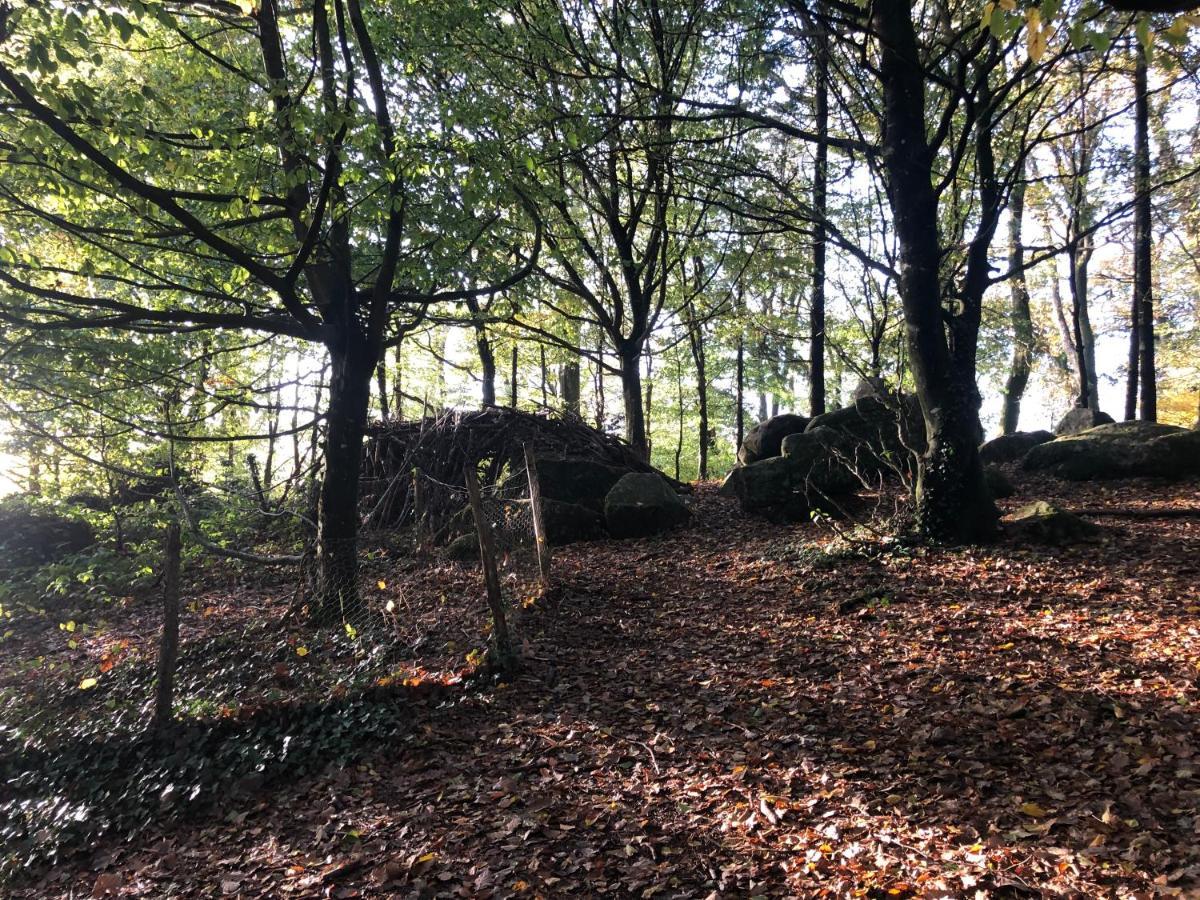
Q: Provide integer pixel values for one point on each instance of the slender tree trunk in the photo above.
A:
(337, 525)
(512, 382)
(1022, 355)
(740, 394)
(1080, 255)
(168, 648)
(631, 392)
(398, 385)
(816, 361)
(545, 379)
(381, 388)
(679, 437)
(1135, 339)
(952, 499)
(1143, 287)
(648, 412)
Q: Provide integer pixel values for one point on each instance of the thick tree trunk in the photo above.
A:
(337, 524)
(487, 365)
(816, 345)
(1022, 355)
(1143, 287)
(631, 392)
(952, 499)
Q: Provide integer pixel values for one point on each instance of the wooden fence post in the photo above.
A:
(168, 648)
(502, 652)
(539, 524)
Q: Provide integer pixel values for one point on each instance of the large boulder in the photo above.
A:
(583, 482)
(1044, 523)
(567, 523)
(1117, 450)
(877, 433)
(1081, 419)
(788, 487)
(1009, 448)
(33, 535)
(641, 504)
(1175, 455)
(765, 439)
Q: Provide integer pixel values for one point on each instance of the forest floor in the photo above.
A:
(736, 709)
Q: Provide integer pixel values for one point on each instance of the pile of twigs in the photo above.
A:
(493, 439)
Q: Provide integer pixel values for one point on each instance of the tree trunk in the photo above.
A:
(337, 524)
(512, 382)
(569, 387)
(953, 502)
(816, 361)
(487, 364)
(168, 647)
(631, 392)
(740, 392)
(1143, 287)
(1022, 355)
(1079, 255)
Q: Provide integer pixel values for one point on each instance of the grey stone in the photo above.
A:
(1081, 419)
(642, 504)
(765, 440)
(1011, 447)
(1045, 523)
(1115, 450)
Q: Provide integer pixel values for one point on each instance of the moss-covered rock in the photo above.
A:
(1045, 523)
(1116, 450)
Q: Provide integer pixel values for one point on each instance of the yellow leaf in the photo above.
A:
(988, 8)
(302, 651)
(381, 584)
(70, 626)
(1032, 809)
(1035, 37)
(1007, 646)
(87, 684)
(72, 644)
(428, 857)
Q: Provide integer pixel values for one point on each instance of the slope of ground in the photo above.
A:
(742, 709)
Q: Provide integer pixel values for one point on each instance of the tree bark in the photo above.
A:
(168, 648)
(569, 387)
(1143, 287)
(631, 393)
(337, 524)
(1022, 355)
(512, 381)
(487, 357)
(952, 499)
(816, 361)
